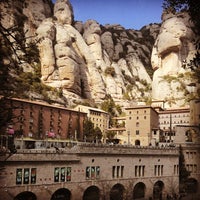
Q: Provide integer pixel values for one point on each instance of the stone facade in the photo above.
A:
(90, 168)
(169, 119)
(98, 117)
(141, 121)
(38, 120)
(195, 112)
(100, 169)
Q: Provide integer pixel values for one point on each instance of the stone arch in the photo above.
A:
(158, 190)
(91, 193)
(26, 195)
(117, 192)
(61, 194)
(137, 142)
(191, 185)
(139, 190)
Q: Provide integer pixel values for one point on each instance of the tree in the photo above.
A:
(11, 43)
(110, 135)
(97, 134)
(111, 108)
(12, 49)
(6, 114)
(91, 134)
(88, 130)
(191, 6)
(183, 173)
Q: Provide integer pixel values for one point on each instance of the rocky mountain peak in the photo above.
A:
(173, 48)
(91, 61)
(63, 11)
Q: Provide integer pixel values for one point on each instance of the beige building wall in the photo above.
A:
(100, 166)
(140, 122)
(195, 112)
(119, 128)
(169, 119)
(188, 137)
(98, 117)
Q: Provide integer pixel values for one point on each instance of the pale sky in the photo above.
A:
(131, 14)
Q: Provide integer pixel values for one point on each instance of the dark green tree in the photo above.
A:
(183, 172)
(109, 106)
(112, 109)
(98, 134)
(91, 133)
(110, 135)
(88, 130)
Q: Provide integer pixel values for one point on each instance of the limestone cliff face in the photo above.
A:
(91, 61)
(26, 14)
(173, 48)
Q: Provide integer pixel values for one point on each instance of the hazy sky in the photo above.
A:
(133, 14)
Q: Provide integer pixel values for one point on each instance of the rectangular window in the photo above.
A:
(87, 172)
(33, 175)
(155, 170)
(92, 172)
(97, 172)
(118, 167)
(195, 168)
(137, 132)
(56, 174)
(26, 176)
(113, 171)
(143, 168)
(136, 171)
(158, 170)
(62, 174)
(161, 170)
(117, 171)
(19, 176)
(68, 173)
(187, 153)
(139, 170)
(122, 171)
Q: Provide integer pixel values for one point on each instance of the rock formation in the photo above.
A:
(91, 61)
(173, 47)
